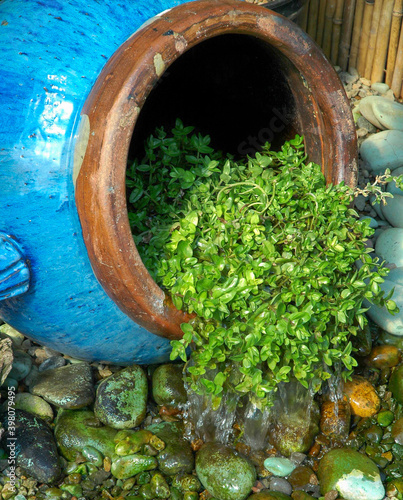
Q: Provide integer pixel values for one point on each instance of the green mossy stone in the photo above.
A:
(352, 474)
(177, 456)
(130, 465)
(279, 466)
(76, 430)
(35, 405)
(225, 474)
(121, 399)
(167, 385)
(385, 418)
(270, 495)
(396, 384)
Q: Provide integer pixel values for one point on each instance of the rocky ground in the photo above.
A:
(82, 431)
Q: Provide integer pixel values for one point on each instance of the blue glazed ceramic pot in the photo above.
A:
(82, 83)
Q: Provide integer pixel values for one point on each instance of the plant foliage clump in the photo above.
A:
(262, 251)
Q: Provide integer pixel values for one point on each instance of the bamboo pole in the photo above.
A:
(398, 72)
(327, 30)
(373, 35)
(337, 22)
(381, 50)
(366, 26)
(394, 39)
(346, 31)
(313, 18)
(321, 22)
(303, 21)
(355, 41)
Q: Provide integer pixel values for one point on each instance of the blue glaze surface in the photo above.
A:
(52, 51)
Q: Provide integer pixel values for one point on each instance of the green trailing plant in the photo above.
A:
(262, 252)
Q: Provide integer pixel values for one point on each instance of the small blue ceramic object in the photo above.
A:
(82, 83)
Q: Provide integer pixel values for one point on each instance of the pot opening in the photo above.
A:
(232, 87)
(235, 71)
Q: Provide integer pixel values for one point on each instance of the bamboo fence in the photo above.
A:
(363, 34)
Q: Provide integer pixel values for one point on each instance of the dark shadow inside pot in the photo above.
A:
(231, 87)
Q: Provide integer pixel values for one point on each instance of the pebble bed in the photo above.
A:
(91, 431)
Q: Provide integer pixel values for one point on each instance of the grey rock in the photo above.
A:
(381, 88)
(21, 365)
(69, 387)
(392, 210)
(362, 122)
(383, 150)
(51, 363)
(388, 113)
(281, 485)
(366, 110)
(35, 450)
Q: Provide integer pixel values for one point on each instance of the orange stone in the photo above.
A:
(363, 399)
(384, 356)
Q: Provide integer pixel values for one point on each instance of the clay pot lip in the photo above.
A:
(111, 111)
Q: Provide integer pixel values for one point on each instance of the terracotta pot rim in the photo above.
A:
(109, 117)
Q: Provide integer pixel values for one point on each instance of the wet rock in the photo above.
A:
(177, 456)
(362, 397)
(280, 485)
(388, 113)
(76, 430)
(51, 363)
(68, 387)
(383, 150)
(35, 405)
(130, 465)
(353, 475)
(35, 447)
(373, 434)
(294, 431)
(21, 365)
(302, 477)
(385, 418)
(396, 384)
(383, 356)
(225, 474)
(301, 495)
(335, 418)
(362, 341)
(167, 385)
(121, 399)
(279, 466)
(397, 431)
(269, 495)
